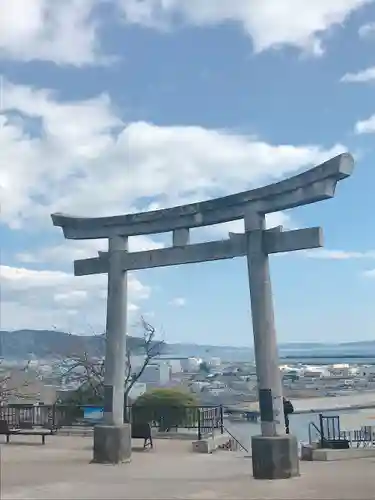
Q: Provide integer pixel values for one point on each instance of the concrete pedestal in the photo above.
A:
(275, 457)
(112, 444)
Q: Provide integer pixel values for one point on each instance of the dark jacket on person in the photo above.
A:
(288, 410)
(288, 407)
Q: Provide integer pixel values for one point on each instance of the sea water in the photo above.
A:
(299, 426)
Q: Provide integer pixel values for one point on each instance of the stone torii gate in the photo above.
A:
(274, 454)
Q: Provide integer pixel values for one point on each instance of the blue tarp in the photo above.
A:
(93, 413)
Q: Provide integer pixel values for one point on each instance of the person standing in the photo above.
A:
(288, 410)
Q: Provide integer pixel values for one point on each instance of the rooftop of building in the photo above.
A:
(61, 470)
(171, 357)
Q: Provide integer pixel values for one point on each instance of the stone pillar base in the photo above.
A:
(112, 444)
(275, 457)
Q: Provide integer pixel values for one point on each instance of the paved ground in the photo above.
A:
(61, 470)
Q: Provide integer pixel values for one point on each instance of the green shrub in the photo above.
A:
(167, 408)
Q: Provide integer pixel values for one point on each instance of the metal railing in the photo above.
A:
(235, 444)
(205, 420)
(22, 415)
(210, 419)
(360, 438)
(328, 429)
(314, 428)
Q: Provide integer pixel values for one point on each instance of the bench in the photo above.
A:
(142, 431)
(24, 430)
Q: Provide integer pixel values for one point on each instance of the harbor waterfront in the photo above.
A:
(299, 424)
(342, 401)
(354, 409)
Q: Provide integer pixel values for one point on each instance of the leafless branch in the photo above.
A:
(86, 369)
(11, 388)
(151, 349)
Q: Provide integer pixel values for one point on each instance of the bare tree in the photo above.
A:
(85, 370)
(151, 349)
(16, 383)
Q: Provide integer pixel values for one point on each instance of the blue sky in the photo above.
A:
(115, 106)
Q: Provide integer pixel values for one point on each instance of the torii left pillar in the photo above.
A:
(112, 439)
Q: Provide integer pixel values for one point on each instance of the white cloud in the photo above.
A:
(54, 297)
(366, 75)
(370, 273)
(67, 32)
(272, 220)
(270, 23)
(221, 231)
(365, 126)
(284, 219)
(81, 158)
(367, 30)
(322, 253)
(60, 31)
(71, 250)
(178, 302)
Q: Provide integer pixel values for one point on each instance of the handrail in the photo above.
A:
(234, 437)
(312, 424)
(330, 431)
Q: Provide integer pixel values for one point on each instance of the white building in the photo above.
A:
(367, 371)
(137, 390)
(190, 365)
(180, 363)
(314, 372)
(198, 386)
(343, 370)
(293, 369)
(214, 362)
(156, 374)
(175, 365)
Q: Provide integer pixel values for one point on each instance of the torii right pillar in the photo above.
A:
(274, 453)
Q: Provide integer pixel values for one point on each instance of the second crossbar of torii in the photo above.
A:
(256, 243)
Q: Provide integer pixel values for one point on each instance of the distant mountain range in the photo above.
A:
(43, 344)
(24, 344)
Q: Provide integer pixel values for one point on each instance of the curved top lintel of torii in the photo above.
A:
(311, 186)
